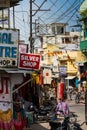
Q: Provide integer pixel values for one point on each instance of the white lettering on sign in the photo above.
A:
(31, 64)
(29, 58)
(8, 47)
(29, 61)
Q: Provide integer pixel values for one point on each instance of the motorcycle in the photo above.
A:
(64, 123)
(79, 96)
(44, 113)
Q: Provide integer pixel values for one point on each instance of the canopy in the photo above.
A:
(70, 77)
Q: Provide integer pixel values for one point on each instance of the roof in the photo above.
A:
(60, 24)
(70, 77)
(12, 3)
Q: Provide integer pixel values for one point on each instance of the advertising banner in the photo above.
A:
(5, 94)
(29, 61)
(5, 104)
(23, 48)
(47, 76)
(8, 48)
(62, 70)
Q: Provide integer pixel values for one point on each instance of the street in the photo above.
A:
(78, 109)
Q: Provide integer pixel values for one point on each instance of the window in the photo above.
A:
(60, 30)
(53, 30)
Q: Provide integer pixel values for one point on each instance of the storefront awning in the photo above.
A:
(70, 77)
(18, 71)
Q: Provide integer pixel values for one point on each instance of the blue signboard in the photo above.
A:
(62, 70)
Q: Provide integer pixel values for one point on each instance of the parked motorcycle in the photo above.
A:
(79, 96)
(44, 113)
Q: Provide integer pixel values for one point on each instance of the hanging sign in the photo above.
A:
(5, 95)
(29, 61)
(23, 48)
(62, 70)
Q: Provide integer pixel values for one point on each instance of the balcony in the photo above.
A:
(83, 46)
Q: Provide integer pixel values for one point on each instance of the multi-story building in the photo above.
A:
(59, 47)
(60, 50)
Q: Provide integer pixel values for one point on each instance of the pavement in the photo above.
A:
(46, 126)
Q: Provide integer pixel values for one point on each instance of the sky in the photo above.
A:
(65, 11)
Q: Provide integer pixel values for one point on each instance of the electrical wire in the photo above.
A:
(54, 3)
(66, 14)
(67, 11)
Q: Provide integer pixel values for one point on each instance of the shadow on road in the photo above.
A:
(40, 126)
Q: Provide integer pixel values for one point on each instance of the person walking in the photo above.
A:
(62, 108)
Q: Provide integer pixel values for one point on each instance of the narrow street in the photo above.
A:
(78, 109)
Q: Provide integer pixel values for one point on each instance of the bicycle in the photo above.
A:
(73, 126)
(77, 126)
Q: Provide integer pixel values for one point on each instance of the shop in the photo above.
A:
(19, 77)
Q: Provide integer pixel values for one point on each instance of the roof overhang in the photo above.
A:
(11, 3)
(16, 71)
(70, 77)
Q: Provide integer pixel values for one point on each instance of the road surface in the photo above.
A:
(78, 109)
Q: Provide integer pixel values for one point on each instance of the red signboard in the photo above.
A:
(29, 61)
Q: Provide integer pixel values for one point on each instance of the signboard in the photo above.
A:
(8, 48)
(23, 48)
(62, 70)
(29, 61)
(4, 3)
(5, 94)
(47, 76)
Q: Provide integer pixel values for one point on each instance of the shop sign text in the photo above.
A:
(8, 48)
(29, 61)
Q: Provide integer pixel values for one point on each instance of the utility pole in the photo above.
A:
(31, 44)
(31, 39)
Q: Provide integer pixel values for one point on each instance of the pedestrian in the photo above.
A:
(65, 106)
(62, 108)
(59, 107)
(70, 93)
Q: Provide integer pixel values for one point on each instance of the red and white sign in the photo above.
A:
(5, 93)
(29, 61)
